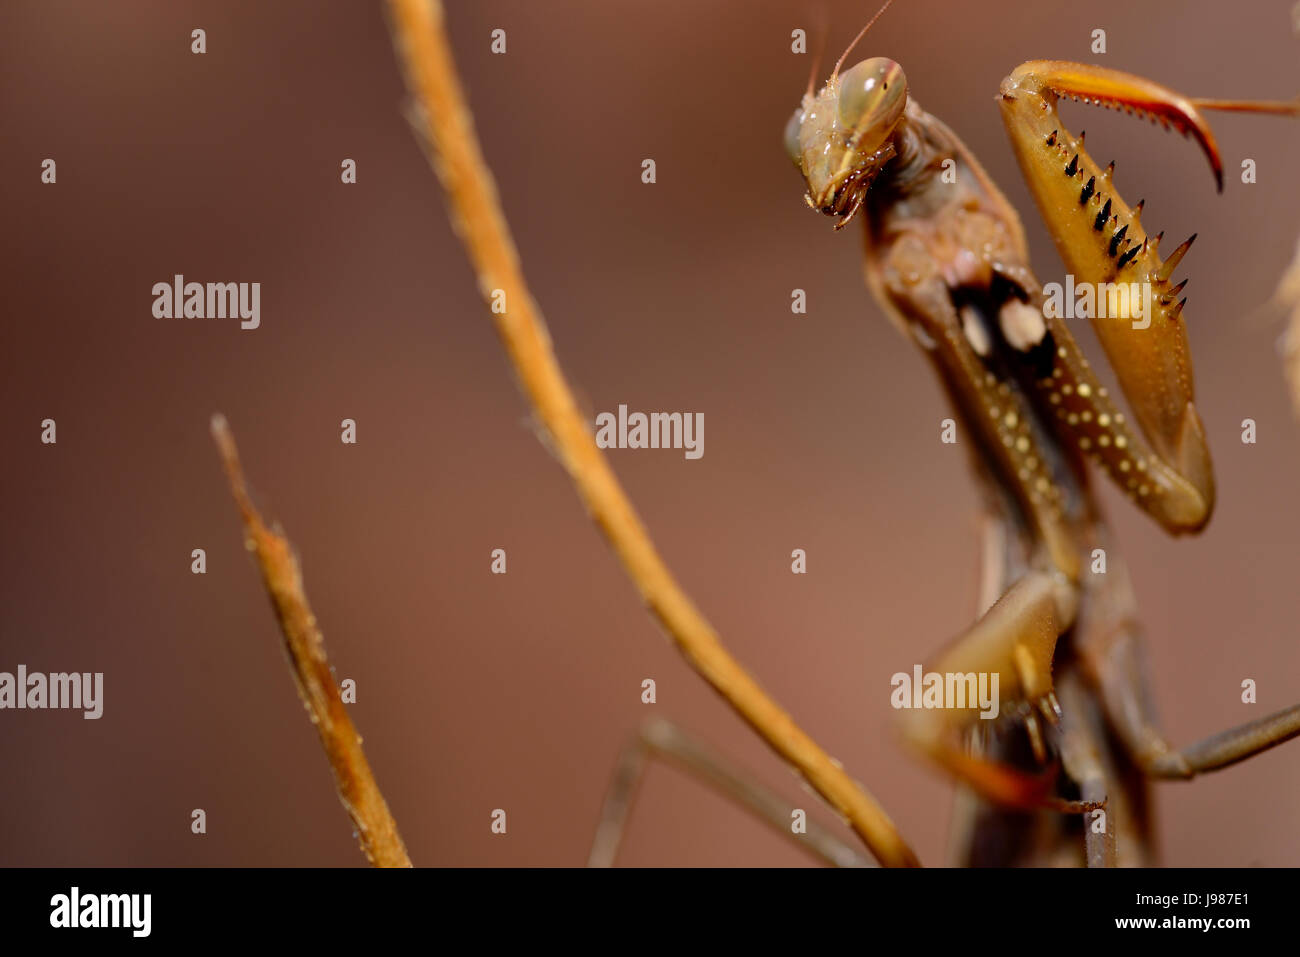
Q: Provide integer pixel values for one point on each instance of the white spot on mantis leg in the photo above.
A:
(1022, 325)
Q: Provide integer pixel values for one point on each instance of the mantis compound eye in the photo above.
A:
(792, 137)
(872, 97)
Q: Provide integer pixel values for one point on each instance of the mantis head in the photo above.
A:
(841, 137)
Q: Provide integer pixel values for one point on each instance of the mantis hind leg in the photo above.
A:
(1112, 654)
(663, 740)
(1123, 693)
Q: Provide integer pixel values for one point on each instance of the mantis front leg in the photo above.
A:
(1015, 639)
(1167, 469)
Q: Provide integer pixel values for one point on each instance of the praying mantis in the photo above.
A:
(946, 258)
(1063, 777)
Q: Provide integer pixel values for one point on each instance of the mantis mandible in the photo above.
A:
(946, 259)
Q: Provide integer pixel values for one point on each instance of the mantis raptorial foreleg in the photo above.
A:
(662, 739)
(1015, 640)
(1104, 245)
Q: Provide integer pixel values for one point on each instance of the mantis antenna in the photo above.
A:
(861, 33)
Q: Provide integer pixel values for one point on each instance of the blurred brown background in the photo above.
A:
(479, 691)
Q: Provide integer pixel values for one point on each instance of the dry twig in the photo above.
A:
(477, 218)
(371, 819)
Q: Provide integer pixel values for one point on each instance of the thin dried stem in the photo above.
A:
(477, 218)
(371, 819)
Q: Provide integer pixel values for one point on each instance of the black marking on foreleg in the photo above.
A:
(1116, 239)
(1102, 217)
